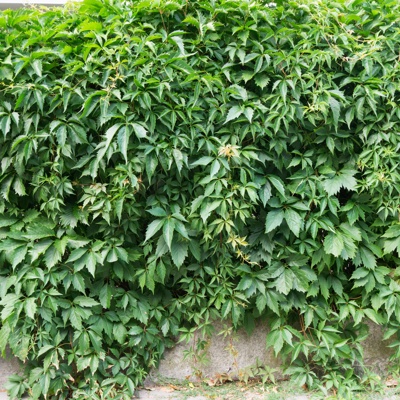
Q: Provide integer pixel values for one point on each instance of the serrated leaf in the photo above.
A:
(5, 332)
(139, 130)
(367, 257)
(215, 166)
(261, 303)
(333, 244)
(84, 301)
(261, 80)
(284, 282)
(37, 231)
(196, 203)
(76, 254)
(178, 157)
(343, 179)
(335, 107)
(234, 112)
(249, 112)
(165, 327)
(105, 296)
(274, 219)
(52, 257)
(277, 184)
(119, 332)
(168, 231)
(123, 141)
(179, 251)
(18, 255)
(39, 248)
(153, 228)
(157, 212)
(294, 221)
(30, 307)
(391, 245)
(91, 262)
(203, 161)
(265, 193)
(208, 208)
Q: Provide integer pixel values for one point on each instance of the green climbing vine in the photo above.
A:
(168, 163)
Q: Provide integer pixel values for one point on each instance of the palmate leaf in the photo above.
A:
(343, 179)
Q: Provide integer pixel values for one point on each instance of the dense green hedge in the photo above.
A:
(167, 163)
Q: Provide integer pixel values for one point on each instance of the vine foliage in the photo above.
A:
(168, 163)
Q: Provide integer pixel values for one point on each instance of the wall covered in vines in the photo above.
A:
(168, 163)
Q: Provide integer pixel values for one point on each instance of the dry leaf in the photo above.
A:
(166, 389)
(390, 382)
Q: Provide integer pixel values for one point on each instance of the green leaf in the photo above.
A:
(119, 332)
(261, 80)
(367, 257)
(333, 244)
(343, 179)
(5, 332)
(274, 219)
(109, 135)
(18, 255)
(105, 297)
(284, 282)
(91, 262)
(84, 301)
(265, 193)
(52, 256)
(123, 141)
(37, 231)
(208, 208)
(335, 107)
(153, 228)
(294, 221)
(261, 303)
(179, 251)
(277, 184)
(139, 130)
(30, 307)
(234, 112)
(157, 212)
(76, 254)
(39, 248)
(168, 231)
(203, 161)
